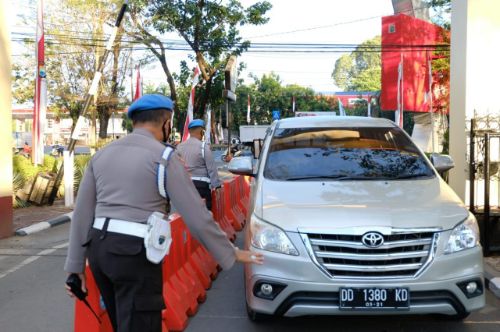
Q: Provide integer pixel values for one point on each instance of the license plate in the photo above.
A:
(374, 298)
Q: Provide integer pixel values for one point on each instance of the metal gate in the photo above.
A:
(484, 179)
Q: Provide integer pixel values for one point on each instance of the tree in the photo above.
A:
(442, 10)
(210, 28)
(141, 28)
(360, 70)
(74, 41)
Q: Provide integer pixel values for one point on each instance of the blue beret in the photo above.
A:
(196, 123)
(150, 102)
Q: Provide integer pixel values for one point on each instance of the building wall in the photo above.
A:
(59, 131)
(475, 35)
(403, 40)
(5, 125)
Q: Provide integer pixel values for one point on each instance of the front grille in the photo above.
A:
(401, 255)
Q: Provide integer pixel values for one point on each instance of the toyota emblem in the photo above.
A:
(372, 239)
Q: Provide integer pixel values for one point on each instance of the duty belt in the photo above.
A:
(200, 178)
(122, 227)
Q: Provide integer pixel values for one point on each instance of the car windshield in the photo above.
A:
(364, 153)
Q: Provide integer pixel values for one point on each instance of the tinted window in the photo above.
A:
(344, 153)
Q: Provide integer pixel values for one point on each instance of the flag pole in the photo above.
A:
(431, 106)
(75, 132)
(40, 107)
(189, 114)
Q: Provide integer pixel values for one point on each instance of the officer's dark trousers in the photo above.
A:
(130, 285)
(205, 192)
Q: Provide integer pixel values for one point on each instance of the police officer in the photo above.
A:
(121, 188)
(199, 161)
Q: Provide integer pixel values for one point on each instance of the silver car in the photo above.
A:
(353, 219)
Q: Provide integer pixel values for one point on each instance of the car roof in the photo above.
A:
(325, 121)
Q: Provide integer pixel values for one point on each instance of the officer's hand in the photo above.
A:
(246, 256)
(84, 285)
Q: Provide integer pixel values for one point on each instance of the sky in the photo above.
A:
(291, 21)
(325, 21)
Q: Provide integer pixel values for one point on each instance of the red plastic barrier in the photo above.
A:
(218, 213)
(85, 321)
(231, 209)
(187, 270)
(240, 198)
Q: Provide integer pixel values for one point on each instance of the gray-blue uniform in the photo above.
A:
(124, 183)
(200, 164)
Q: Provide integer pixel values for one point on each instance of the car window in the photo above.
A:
(365, 153)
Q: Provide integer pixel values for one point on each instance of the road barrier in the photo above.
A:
(188, 269)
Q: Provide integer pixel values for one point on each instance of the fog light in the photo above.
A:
(471, 287)
(267, 290)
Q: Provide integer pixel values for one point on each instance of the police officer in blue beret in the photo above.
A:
(199, 161)
(125, 186)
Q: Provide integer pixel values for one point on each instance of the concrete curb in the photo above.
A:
(40, 226)
(492, 278)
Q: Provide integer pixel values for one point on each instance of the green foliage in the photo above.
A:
(18, 184)
(359, 70)
(81, 162)
(267, 93)
(126, 123)
(442, 11)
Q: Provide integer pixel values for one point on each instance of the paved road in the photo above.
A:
(32, 298)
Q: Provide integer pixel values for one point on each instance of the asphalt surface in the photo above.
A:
(32, 298)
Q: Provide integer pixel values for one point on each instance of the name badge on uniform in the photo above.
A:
(158, 237)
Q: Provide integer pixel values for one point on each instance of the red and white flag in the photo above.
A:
(138, 84)
(189, 115)
(40, 109)
(248, 110)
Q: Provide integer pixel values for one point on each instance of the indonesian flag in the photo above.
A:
(208, 125)
(399, 112)
(138, 84)
(293, 104)
(248, 110)
(189, 115)
(40, 109)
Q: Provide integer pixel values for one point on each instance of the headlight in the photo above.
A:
(268, 237)
(463, 236)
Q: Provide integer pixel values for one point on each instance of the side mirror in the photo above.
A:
(257, 147)
(241, 166)
(442, 162)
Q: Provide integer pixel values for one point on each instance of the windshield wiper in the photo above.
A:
(316, 177)
(409, 176)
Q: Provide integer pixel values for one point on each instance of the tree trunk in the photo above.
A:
(170, 80)
(104, 115)
(205, 97)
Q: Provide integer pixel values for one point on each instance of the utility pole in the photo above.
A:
(88, 98)
(231, 78)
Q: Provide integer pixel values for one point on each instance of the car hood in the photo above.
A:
(309, 206)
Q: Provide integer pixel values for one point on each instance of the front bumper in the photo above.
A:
(309, 291)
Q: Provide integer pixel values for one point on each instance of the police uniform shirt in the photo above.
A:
(121, 183)
(198, 166)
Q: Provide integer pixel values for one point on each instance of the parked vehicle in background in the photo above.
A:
(250, 133)
(354, 219)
